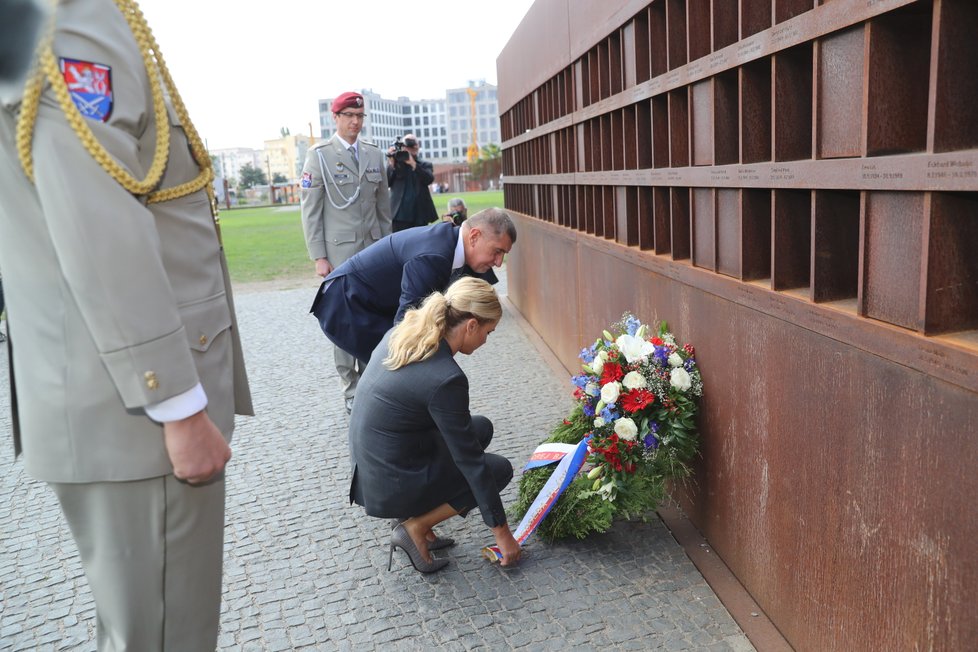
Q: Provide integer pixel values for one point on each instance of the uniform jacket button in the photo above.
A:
(151, 381)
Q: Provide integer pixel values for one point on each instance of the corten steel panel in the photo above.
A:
(755, 16)
(816, 490)
(704, 228)
(813, 485)
(725, 120)
(755, 111)
(646, 218)
(616, 68)
(952, 263)
(792, 90)
(835, 242)
(643, 134)
(641, 38)
(729, 232)
(658, 34)
(787, 9)
(698, 28)
(678, 128)
(661, 202)
(792, 239)
(618, 141)
(840, 93)
(676, 32)
(724, 24)
(660, 131)
(892, 263)
(679, 223)
(701, 122)
(756, 238)
(898, 80)
(957, 77)
(630, 143)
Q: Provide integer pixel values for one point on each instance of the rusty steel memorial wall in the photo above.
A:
(793, 186)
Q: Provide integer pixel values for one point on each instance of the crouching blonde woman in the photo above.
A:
(419, 456)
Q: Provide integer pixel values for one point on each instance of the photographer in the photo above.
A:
(457, 212)
(408, 177)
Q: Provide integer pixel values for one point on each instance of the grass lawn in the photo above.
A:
(266, 244)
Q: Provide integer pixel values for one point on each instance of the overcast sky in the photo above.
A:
(246, 69)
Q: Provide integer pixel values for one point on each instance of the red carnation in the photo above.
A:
(611, 372)
(637, 399)
(657, 341)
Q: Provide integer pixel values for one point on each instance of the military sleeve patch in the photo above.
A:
(307, 179)
(90, 87)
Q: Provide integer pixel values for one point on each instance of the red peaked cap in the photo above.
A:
(348, 100)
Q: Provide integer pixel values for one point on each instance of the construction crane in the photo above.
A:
(473, 154)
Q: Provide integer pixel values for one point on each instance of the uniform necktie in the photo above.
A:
(353, 151)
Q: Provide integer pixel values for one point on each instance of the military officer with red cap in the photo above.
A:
(345, 204)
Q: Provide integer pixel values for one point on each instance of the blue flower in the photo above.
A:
(580, 380)
(651, 441)
(632, 324)
(689, 364)
(609, 414)
(588, 410)
(587, 353)
(654, 426)
(661, 355)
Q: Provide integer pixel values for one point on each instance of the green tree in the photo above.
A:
(489, 165)
(252, 176)
(278, 177)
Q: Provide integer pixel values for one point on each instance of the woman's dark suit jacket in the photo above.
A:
(412, 442)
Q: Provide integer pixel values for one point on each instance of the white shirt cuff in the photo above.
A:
(178, 407)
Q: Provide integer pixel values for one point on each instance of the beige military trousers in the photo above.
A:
(152, 551)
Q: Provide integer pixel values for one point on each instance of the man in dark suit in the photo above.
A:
(366, 295)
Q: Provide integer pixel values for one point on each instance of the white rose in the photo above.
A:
(598, 363)
(626, 429)
(634, 380)
(679, 379)
(591, 389)
(610, 392)
(635, 349)
(598, 422)
(675, 360)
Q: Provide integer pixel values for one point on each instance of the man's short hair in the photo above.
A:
(495, 220)
(456, 201)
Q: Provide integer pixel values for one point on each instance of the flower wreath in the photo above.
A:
(636, 398)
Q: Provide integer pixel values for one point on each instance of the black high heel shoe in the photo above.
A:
(401, 539)
(439, 542)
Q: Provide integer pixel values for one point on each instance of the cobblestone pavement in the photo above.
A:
(306, 571)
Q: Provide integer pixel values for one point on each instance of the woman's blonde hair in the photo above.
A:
(416, 338)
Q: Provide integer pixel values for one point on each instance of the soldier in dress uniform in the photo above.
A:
(126, 361)
(345, 205)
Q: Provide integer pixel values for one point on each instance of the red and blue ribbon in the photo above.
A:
(571, 459)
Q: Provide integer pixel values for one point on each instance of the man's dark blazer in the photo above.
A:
(423, 175)
(414, 445)
(366, 295)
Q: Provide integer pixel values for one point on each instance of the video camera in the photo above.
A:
(400, 154)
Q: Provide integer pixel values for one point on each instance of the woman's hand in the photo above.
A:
(507, 545)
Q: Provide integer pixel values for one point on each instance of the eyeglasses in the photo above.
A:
(352, 116)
